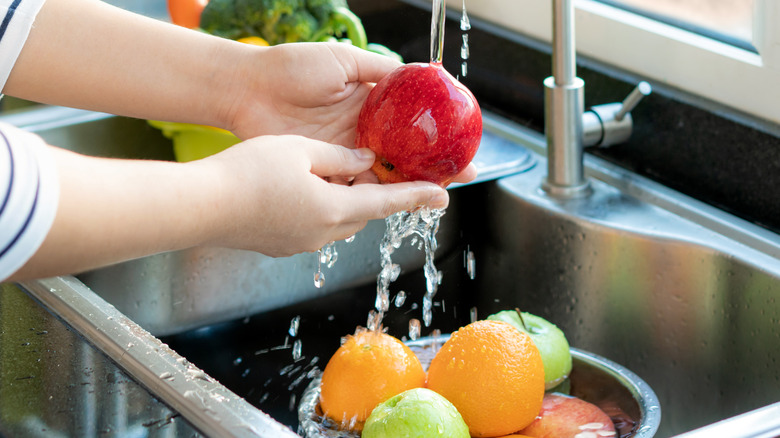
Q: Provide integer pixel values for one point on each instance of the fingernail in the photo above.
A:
(440, 200)
(364, 154)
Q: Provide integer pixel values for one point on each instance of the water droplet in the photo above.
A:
(471, 264)
(287, 369)
(400, 299)
(414, 329)
(473, 314)
(237, 361)
(319, 279)
(464, 49)
(294, 323)
(465, 24)
(464, 69)
(350, 239)
(296, 350)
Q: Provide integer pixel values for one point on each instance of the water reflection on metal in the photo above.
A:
(53, 383)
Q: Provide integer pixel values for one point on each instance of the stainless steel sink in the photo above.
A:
(682, 294)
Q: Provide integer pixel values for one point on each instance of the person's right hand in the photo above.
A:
(277, 200)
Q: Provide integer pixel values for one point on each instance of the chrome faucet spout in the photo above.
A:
(568, 127)
(564, 67)
(564, 104)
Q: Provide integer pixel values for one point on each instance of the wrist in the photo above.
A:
(239, 96)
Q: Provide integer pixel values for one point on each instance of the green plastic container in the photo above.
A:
(193, 142)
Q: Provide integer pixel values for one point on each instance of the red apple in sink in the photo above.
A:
(422, 124)
(564, 416)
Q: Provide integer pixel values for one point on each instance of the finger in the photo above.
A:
(378, 201)
(347, 229)
(364, 66)
(466, 175)
(334, 160)
(365, 178)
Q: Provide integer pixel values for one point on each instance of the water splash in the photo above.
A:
(374, 321)
(414, 329)
(422, 223)
(327, 255)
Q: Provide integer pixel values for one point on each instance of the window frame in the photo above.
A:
(736, 78)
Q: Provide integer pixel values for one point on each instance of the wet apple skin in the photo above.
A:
(422, 123)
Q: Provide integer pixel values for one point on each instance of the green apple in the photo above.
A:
(415, 413)
(549, 339)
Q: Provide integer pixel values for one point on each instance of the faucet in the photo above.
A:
(568, 127)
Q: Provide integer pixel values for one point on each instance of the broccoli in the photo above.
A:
(283, 21)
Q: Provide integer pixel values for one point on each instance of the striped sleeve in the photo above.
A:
(29, 193)
(16, 20)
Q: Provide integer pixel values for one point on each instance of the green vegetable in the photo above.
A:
(383, 50)
(283, 21)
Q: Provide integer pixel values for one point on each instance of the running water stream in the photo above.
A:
(421, 225)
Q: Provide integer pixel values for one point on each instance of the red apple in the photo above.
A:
(563, 416)
(422, 124)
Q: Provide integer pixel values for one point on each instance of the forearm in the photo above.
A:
(137, 66)
(115, 210)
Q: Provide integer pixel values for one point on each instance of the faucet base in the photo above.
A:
(567, 192)
(563, 129)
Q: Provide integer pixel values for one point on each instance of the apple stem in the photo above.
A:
(520, 315)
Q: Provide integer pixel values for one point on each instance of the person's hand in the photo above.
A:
(277, 200)
(270, 194)
(310, 89)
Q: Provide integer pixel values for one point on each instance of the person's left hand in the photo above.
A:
(311, 89)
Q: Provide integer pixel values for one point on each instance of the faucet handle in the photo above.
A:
(609, 124)
(630, 102)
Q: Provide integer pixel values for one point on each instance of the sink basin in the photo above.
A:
(684, 295)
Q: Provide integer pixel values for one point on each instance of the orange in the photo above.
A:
(368, 368)
(254, 40)
(186, 12)
(493, 374)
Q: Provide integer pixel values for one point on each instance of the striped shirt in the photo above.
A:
(29, 186)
